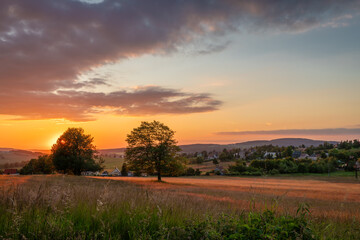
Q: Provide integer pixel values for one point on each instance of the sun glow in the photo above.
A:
(53, 140)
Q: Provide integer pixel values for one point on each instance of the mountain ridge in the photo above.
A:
(198, 147)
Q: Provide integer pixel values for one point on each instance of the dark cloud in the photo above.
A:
(324, 131)
(45, 45)
(82, 106)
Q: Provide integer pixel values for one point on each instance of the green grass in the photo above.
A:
(340, 176)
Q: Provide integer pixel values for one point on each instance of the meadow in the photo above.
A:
(68, 207)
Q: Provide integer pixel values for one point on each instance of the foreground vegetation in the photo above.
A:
(65, 207)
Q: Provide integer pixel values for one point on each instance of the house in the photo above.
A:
(212, 156)
(10, 171)
(104, 173)
(219, 170)
(87, 173)
(272, 154)
(313, 157)
(296, 154)
(304, 156)
(115, 172)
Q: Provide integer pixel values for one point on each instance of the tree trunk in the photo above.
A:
(159, 176)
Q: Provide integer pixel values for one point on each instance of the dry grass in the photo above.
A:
(333, 200)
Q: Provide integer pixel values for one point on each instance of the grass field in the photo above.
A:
(111, 162)
(59, 207)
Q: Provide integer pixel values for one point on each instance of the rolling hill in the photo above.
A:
(219, 147)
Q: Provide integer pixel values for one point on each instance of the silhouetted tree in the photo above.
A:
(74, 152)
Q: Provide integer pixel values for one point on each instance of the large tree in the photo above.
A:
(151, 148)
(74, 152)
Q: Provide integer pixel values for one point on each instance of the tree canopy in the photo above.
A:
(151, 148)
(74, 152)
(42, 165)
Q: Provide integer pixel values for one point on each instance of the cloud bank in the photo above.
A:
(322, 131)
(45, 45)
(83, 106)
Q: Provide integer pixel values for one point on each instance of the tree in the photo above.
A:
(124, 169)
(42, 165)
(151, 147)
(74, 152)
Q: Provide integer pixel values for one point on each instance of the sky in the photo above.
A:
(214, 71)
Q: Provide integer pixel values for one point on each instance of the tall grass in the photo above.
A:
(65, 207)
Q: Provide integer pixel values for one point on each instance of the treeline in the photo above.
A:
(13, 165)
(349, 144)
(283, 166)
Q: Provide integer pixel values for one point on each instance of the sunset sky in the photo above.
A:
(214, 71)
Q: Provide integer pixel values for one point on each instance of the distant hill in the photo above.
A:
(9, 155)
(282, 142)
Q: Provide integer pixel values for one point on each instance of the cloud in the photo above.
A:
(212, 48)
(321, 131)
(45, 45)
(83, 106)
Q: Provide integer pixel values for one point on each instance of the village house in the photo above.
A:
(88, 173)
(296, 154)
(313, 157)
(212, 156)
(115, 172)
(272, 154)
(304, 156)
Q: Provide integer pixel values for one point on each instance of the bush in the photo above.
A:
(254, 173)
(274, 172)
(41, 165)
(190, 172)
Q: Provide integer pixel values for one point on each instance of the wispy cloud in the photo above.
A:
(321, 131)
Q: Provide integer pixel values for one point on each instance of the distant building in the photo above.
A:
(88, 173)
(219, 169)
(115, 172)
(104, 173)
(304, 156)
(313, 157)
(272, 154)
(296, 154)
(212, 156)
(10, 171)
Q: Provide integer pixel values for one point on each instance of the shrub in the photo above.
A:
(274, 172)
(190, 172)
